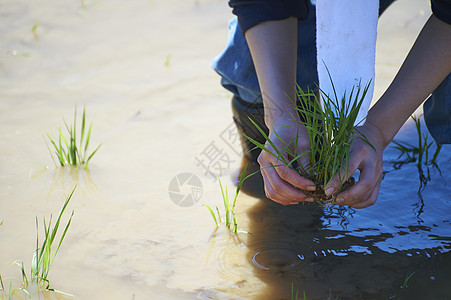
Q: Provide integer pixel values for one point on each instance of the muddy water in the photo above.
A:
(141, 69)
(361, 254)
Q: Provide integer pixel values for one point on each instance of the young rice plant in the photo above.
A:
(44, 255)
(420, 152)
(67, 149)
(229, 207)
(331, 132)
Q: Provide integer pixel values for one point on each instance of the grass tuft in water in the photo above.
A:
(230, 220)
(419, 153)
(406, 280)
(44, 256)
(34, 30)
(11, 291)
(67, 149)
(331, 129)
(441, 238)
(167, 61)
(19, 263)
(294, 296)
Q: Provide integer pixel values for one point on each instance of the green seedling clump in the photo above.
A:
(68, 150)
(331, 131)
(34, 30)
(229, 207)
(43, 256)
(420, 152)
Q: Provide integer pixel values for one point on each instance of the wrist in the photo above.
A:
(282, 120)
(378, 134)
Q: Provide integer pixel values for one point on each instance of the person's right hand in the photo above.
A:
(282, 183)
(367, 159)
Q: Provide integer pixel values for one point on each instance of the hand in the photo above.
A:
(282, 183)
(369, 161)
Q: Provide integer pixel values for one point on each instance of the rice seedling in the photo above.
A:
(441, 238)
(44, 256)
(22, 270)
(406, 280)
(19, 53)
(167, 62)
(418, 152)
(294, 296)
(34, 30)
(2, 289)
(11, 291)
(229, 207)
(331, 132)
(68, 150)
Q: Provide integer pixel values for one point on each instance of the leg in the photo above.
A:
(242, 111)
(238, 76)
(437, 112)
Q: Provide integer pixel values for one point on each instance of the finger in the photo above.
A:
(365, 189)
(284, 172)
(287, 173)
(295, 179)
(279, 190)
(275, 187)
(343, 174)
(370, 201)
(304, 163)
(271, 194)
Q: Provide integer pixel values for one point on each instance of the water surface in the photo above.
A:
(141, 69)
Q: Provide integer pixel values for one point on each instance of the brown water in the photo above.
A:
(156, 120)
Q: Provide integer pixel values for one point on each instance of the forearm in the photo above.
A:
(426, 66)
(273, 47)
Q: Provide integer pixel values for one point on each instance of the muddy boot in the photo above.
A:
(242, 111)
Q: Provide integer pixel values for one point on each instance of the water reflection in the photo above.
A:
(66, 178)
(358, 254)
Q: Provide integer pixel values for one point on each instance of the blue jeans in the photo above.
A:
(237, 70)
(238, 74)
(437, 112)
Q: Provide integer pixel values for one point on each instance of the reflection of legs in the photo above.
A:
(437, 112)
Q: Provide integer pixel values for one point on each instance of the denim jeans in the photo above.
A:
(236, 68)
(437, 112)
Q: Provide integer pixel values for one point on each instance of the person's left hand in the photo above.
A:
(369, 161)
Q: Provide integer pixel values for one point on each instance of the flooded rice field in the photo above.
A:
(140, 230)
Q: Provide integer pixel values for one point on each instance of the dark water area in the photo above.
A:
(386, 251)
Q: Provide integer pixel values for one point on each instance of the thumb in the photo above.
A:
(344, 173)
(304, 163)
